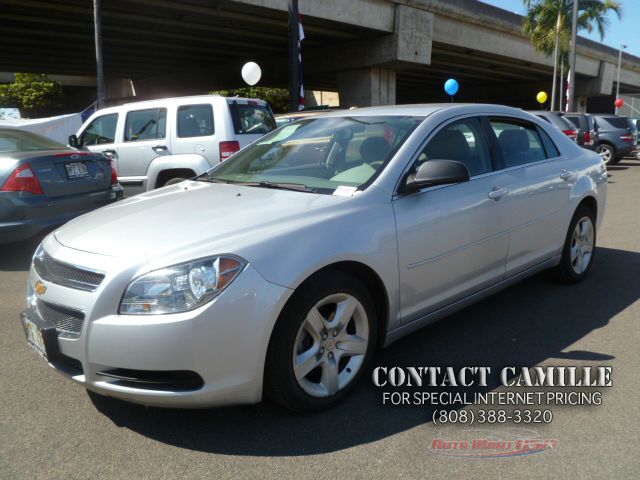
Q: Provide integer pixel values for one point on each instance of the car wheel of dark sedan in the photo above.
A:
(579, 247)
(608, 153)
(322, 343)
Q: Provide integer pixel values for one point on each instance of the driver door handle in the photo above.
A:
(497, 193)
(159, 147)
(109, 153)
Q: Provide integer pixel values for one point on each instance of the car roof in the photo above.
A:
(177, 101)
(546, 112)
(423, 110)
(609, 115)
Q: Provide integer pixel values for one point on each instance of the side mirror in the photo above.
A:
(73, 141)
(437, 172)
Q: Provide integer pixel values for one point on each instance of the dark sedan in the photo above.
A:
(44, 184)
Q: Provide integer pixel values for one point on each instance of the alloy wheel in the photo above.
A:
(582, 245)
(606, 153)
(330, 345)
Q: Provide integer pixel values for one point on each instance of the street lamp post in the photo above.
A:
(572, 58)
(97, 22)
(622, 47)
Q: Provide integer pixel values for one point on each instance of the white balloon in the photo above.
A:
(251, 73)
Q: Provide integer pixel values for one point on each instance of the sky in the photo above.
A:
(624, 31)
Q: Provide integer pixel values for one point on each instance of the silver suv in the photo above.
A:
(161, 142)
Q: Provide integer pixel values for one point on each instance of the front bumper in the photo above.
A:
(224, 343)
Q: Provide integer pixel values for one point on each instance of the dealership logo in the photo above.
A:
(492, 444)
(40, 288)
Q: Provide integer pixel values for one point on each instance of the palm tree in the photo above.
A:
(548, 24)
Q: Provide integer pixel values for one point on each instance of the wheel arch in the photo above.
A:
(590, 202)
(609, 143)
(170, 173)
(188, 161)
(372, 282)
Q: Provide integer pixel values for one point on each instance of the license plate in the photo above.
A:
(76, 170)
(34, 336)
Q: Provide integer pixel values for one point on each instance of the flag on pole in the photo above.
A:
(300, 79)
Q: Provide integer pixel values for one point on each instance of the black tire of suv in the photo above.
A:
(281, 385)
(564, 272)
(173, 181)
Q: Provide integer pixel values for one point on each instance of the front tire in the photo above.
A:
(579, 247)
(322, 343)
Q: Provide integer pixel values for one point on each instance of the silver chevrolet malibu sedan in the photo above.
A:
(284, 268)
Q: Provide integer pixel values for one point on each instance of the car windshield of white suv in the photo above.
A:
(320, 155)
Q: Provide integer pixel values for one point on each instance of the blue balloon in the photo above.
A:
(451, 86)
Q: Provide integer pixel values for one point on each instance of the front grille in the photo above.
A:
(64, 274)
(66, 321)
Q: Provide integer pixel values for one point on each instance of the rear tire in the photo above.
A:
(579, 247)
(322, 343)
(608, 153)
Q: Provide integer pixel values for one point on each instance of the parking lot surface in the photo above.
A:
(51, 428)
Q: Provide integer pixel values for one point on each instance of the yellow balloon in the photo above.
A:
(541, 97)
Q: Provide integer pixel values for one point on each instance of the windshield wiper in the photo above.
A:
(296, 187)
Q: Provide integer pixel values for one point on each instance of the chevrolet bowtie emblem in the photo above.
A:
(40, 288)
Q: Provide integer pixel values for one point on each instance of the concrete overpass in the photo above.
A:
(371, 51)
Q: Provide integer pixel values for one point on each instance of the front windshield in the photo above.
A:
(23, 141)
(322, 154)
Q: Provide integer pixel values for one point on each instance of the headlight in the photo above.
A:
(180, 288)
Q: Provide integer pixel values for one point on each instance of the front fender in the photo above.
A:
(192, 161)
(594, 185)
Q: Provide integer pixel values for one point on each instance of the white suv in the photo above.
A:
(161, 142)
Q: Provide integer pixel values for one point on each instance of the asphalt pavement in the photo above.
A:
(52, 428)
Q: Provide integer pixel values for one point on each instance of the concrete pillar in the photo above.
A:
(602, 85)
(367, 87)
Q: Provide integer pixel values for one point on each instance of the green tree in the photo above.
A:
(546, 19)
(278, 98)
(34, 94)
(548, 24)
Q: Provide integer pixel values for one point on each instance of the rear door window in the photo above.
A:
(149, 124)
(616, 122)
(574, 120)
(251, 119)
(101, 130)
(519, 142)
(549, 147)
(195, 121)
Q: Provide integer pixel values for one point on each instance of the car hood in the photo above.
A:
(191, 216)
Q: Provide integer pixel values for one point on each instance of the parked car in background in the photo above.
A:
(617, 137)
(44, 184)
(587, 131)
(162, 142)
(283, 269)
(557, 120)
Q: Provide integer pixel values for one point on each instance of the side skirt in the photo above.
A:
(443, 312)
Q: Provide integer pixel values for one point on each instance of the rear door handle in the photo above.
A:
(109, 153)
(159, 147)
(497, 193)
(565, 175)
